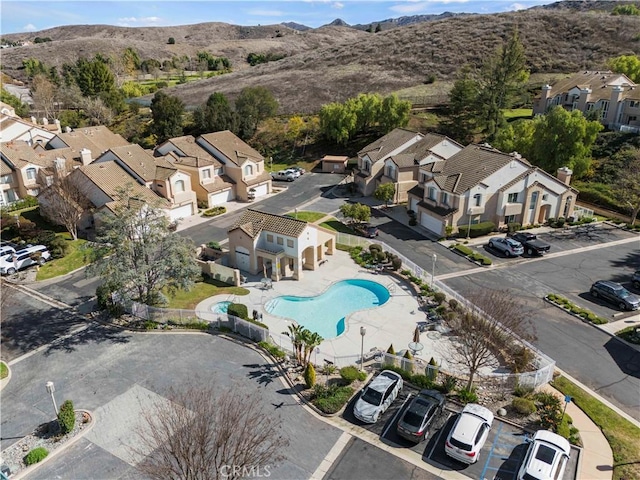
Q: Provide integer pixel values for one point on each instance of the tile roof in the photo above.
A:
(144, 165)
(194, 154)
(416, 190)
(4, 168)
(404, 160)
(385, 145)
(335, 158)
(253, 222)
(21, 154)
(232, 147)
(263, 177)
(98, 139)
(589, 79)
(221, 182)
(109, 177)
(438, 210)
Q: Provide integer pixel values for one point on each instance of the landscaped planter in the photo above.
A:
(589, 317)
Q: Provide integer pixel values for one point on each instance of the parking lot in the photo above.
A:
(499, 459)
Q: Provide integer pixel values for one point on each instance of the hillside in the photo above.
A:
(333, 63)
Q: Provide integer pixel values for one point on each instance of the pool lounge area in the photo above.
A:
(393, 322)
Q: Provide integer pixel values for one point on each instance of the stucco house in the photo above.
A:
(334, 163)
(211, 184)
(158, 175)
(614, 95)
(14, 128)
(278, 246)
(402, 168)
(480, 184)
(242, 164)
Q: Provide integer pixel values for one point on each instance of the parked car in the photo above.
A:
(508, 246)
(300, 170)
(367, 230)
(530, 242)
(418, 417)
(6, 250)
(32, 255)
(546, 458)
(615, 293)
(635, 279)
(283, 175)
(293, 172)
(469, 432)
(376, 397)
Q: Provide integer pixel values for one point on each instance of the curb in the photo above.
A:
(5, 381)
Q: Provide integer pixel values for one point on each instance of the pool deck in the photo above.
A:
(392, 323)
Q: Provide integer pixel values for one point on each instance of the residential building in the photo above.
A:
(242, 164)
(278, 246)
(480, 184)
(334, 163)
(14, 128)
(211, 184)
(367, 175)
(158, 175)
(613, 95)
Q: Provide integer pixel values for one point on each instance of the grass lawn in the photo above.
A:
(306, 215)
(515, 113)
(76, 257)
(628, 335)
(337, 226)
(621, 434)
(200, 291)
(4, 370)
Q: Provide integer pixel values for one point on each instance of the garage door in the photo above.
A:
(181, 212)
(242, 259)
(431, 223)
(220, 198)
(261, 190)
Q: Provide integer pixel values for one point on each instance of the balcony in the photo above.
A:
(512, 209)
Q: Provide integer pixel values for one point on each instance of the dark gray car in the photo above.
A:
(616, 294)
(423, 409)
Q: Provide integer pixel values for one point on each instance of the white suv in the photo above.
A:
(283, 175)
(469, 433)
(546, 458)
(32, 255)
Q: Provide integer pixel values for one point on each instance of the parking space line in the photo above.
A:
(384, 433)
(331, 457)
(439, 435)
(493, 446)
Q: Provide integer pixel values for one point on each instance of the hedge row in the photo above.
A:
(477, 229)
(476, 257)
(576, 310)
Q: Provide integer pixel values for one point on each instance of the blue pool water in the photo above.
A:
(326, 313)
(220, 307)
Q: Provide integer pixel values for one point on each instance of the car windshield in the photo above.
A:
(545, 454)
(372, 396)
(512, 243)
(623, 293)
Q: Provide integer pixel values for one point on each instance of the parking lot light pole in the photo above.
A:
(470, 213)
(433, 269)
(51, 388)
(363, 332)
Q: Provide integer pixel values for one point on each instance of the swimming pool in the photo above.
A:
(220, 307)
(326, 313)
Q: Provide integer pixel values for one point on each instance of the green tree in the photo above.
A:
(385, 192)
(66, 417)
(137, 255)
(394, 113)
(167, 116)
(516, 137)
(356, 212)
(309, 375)
(253, 105)
(378, 28)
(295, 333)
(627, 187)
(94, 77)
(463, 108)
(171, 41)
(627, 64)
(628, 9)
(337, 122)
(563, 138)
(295, 127)
(503, 77)
(33, 67)
(22, 109)
(131, 60)
(311, 340)
(368, 107)
(215, 115)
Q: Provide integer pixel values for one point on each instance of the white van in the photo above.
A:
(32, 255)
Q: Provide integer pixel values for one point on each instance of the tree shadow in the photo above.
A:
(94, 333)
(263, 374)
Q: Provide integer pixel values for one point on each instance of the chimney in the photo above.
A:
(67, 129)
(57, 123)
(564, 175)
(583, 99)
(85, 156)
(33, 120)
(45, 121)
(614, 104)
(60, 164)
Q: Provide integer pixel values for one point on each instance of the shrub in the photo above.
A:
(391, 350)
(375, 248)
(462, 249)
(274, 350)
(486, 261)
(66, 417)
(58, 246)
(549, 409)
(171, 41)
(453, 304)
(477, 229)
(331, 399)
(212, 212)
(439, 297)
(521, 357)
(421, 381)
(214, 245)
(468, 395)
(521, 391)
(396, 263)
(309, 375)
(449, 384)
(329, 369)
(36, 455)
(238, 310)
(350, 373)
(524, 406)
(513, 227)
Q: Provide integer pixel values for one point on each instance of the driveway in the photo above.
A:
(114, 374)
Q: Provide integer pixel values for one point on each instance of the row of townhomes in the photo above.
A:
(448, 185)
(614, 95)
(179, 176)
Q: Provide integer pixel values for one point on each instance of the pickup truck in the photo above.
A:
(531, 244)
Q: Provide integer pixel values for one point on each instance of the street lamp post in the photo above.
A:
(363, 332)
(470, 213)
(51, 388)
(433, 268)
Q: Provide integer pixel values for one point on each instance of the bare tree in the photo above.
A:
(43, 92)
(202, 433)
(64, 201)
(488, 329)
(97, 111)
(627, 188)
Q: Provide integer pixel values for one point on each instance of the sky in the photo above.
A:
(32, 16)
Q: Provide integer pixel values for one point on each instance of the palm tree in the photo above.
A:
(295, 334)
(311, 340)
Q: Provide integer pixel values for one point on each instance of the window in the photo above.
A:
(512, 198)
(206, 173)
(605, 108)
(49, 180)
(634, 103)
(545, 196)
(365, 165)
(218, 171)
(477, 198)
(289, 243)
(510, 219)
(248, 170)
(269, 238)
(534, 200)
(6, 179)
(423, 177)
(432, 193)
(179, 186)
(280, 241)
(31, 173)
(444, 198)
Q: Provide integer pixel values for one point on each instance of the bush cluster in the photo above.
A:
(467, 252)
(448, 384)
(36, 455)
(238, 310)
(212, 212)
(524, 406)
(350, 374)
(477, 229)
(66, 417)
(331, 399)
(26, 202)
(274, 350)
(576, 310)
(467, 395)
